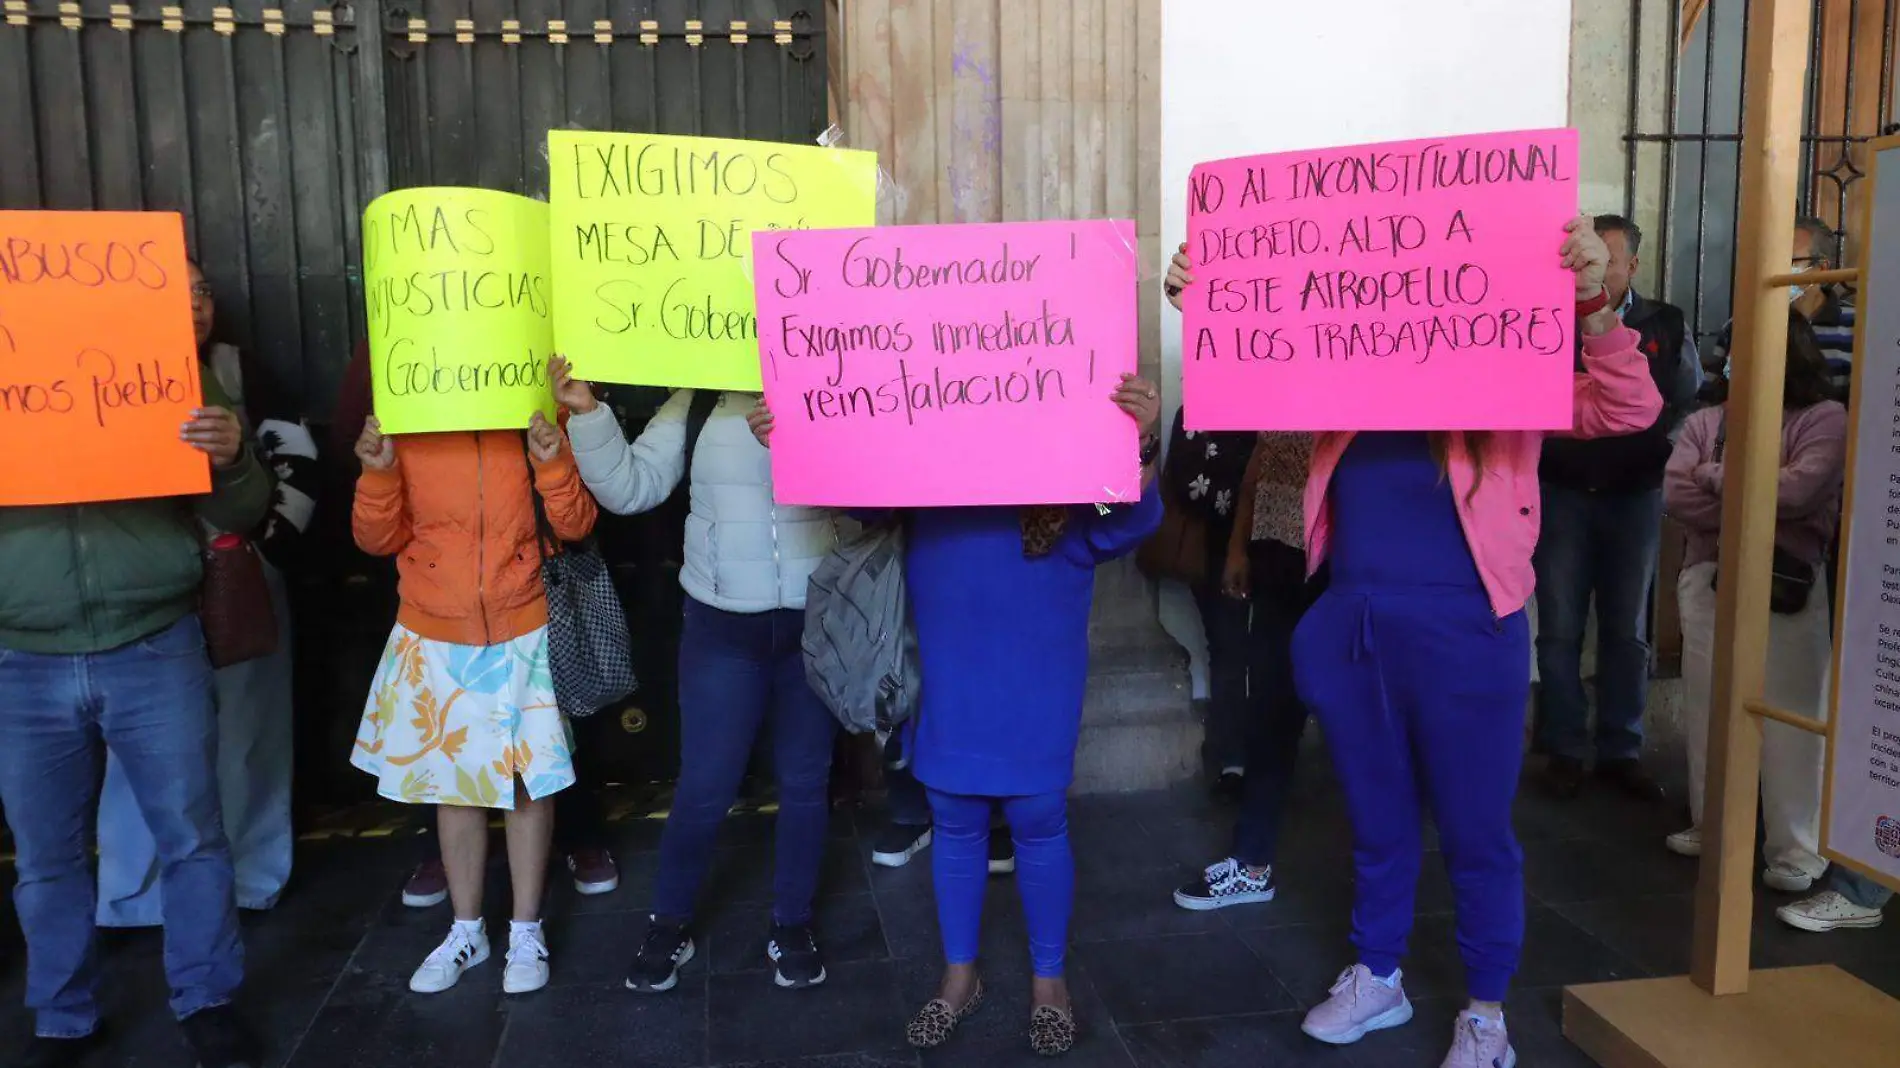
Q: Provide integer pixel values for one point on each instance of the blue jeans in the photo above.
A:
(739, 673)
(1859, 889)
(255, 724)
(1276, 718)
(1602, 545)
(150, 703)
(1045, 873)
(1224, 620)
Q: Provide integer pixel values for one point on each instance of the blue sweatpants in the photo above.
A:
(1045, 872)
(1422, 695)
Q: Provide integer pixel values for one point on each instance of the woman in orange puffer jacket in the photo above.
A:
(461, 713)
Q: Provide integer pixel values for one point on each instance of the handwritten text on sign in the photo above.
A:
(460, 305)
(98, 358)
(652, 246)
(950, 365)
(1406, 286)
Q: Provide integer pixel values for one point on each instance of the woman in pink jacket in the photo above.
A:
(1807, 508)
(1416, 662)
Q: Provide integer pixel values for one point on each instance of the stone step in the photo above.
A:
(1139, 731)
(1124, 757)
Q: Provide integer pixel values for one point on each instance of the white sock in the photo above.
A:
(472, 929)
(1484, 1016)
(517, 928)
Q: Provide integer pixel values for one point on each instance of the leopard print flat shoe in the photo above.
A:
(1051, 1031)
(936, 1022)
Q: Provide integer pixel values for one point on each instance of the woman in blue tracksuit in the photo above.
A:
(1000, 598)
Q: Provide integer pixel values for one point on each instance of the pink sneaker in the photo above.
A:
(1360, 1004)
(1480, 1042)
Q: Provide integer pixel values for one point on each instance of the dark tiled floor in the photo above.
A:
(1154, 985)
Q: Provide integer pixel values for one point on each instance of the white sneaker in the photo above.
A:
(1785, 877)
(458, 953)
(527, 969)
(1685, 843)
(1828, 911)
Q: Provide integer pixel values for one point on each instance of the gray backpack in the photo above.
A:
(860, 648)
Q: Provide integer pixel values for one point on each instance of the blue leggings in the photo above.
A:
(1045, 872)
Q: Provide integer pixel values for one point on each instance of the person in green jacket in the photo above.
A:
(100, 643)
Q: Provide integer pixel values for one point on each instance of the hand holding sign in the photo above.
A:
(374, 449)
(1585, 253)
(544, 439)
(573, 394)
(1180, 276)
(216, 433)
(1141, 400)
(760, 420)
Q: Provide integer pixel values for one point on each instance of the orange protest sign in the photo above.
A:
(98, 358)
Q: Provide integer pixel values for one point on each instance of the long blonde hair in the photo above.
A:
(1477, 443)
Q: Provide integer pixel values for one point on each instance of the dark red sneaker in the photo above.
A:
(594, 871)
(428, 887)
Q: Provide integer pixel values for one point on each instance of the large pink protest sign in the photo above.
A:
(949, 365)
(1414, 285)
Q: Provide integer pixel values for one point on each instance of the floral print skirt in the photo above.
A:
(458, 724)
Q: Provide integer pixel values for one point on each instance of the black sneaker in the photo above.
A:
(1227, 883)
(664, 951)
(1563, 777)
(1629, 776)
(897, 843)
(221, 1039)
(56, 1052)
(795, 957)
(1002, 851)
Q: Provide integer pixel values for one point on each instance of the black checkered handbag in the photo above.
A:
(589, 653)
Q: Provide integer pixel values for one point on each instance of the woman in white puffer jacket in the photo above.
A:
(748, 562)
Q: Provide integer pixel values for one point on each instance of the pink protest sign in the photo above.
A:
(949, 365)
(1413, 285)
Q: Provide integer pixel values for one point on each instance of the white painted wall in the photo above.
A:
(1248, 76)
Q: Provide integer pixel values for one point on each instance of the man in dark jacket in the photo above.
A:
(1602, 527)
(100, 642)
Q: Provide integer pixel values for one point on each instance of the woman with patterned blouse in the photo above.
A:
(1201, 481)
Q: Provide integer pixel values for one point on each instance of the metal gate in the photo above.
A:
(1683, 151)
(270, 127)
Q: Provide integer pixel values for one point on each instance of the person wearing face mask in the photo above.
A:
(1826, 307)
(1602, 501)
(1808, 507)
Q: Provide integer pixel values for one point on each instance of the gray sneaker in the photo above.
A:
(1360, 1004)
(1480, 1042)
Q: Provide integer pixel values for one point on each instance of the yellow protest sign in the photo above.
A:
(460, 309)
(652, 246)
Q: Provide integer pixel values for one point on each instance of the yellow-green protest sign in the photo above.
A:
(652, 246)
(460, 309)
